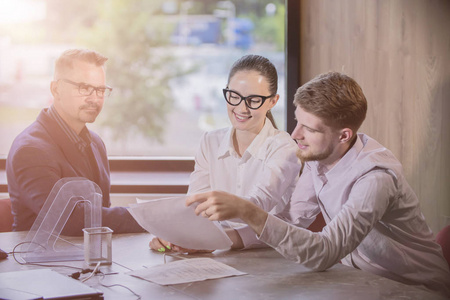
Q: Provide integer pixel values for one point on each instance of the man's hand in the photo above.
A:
(219, 206)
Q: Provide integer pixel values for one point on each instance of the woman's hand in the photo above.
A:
(161, 245)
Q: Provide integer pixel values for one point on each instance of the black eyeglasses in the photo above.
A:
(251, 101)
(86, 89)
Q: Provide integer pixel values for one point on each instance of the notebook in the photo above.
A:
(44, 284)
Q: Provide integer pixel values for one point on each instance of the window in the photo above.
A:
(168, 62)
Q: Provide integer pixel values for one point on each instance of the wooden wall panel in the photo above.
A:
(399, 52)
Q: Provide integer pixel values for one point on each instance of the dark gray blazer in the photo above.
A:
(40, 156)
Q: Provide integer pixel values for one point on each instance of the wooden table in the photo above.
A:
(270, 276)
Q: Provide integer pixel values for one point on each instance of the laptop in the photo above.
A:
(44, 284)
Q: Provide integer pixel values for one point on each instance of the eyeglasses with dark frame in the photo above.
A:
(252, 101)
(86, 89)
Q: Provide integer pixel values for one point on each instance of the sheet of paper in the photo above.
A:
(171, 220)
(187, 270)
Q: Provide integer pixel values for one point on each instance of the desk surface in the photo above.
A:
(270, 276)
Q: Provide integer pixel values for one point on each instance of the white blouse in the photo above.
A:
(266, 173)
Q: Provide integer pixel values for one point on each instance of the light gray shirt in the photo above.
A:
(373, 218)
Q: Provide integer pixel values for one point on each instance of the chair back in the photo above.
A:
(318, 224)
(443, 239)
(6, 217)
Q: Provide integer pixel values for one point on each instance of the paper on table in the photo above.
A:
(171, 220)
(188, 270)
(139, 200)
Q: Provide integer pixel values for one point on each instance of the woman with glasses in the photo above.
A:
(252, 158)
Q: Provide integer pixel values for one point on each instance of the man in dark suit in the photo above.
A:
(59, 145)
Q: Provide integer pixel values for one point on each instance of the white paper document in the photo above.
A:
(171, 220)
(187, 270)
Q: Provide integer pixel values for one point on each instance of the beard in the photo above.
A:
(304, 157)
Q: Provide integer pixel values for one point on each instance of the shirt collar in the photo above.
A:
(260, 139)
(344, 162)
(81, 141)
(226, 147)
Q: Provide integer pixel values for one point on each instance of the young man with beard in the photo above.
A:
(59, 145)
(373, 218)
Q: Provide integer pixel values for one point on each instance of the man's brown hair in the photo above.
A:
(65, 61)
(335, 98)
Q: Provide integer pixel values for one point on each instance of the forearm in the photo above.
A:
(235, 238)
(198, 182)
(276, 185)
(120, 220)
(254, 216)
